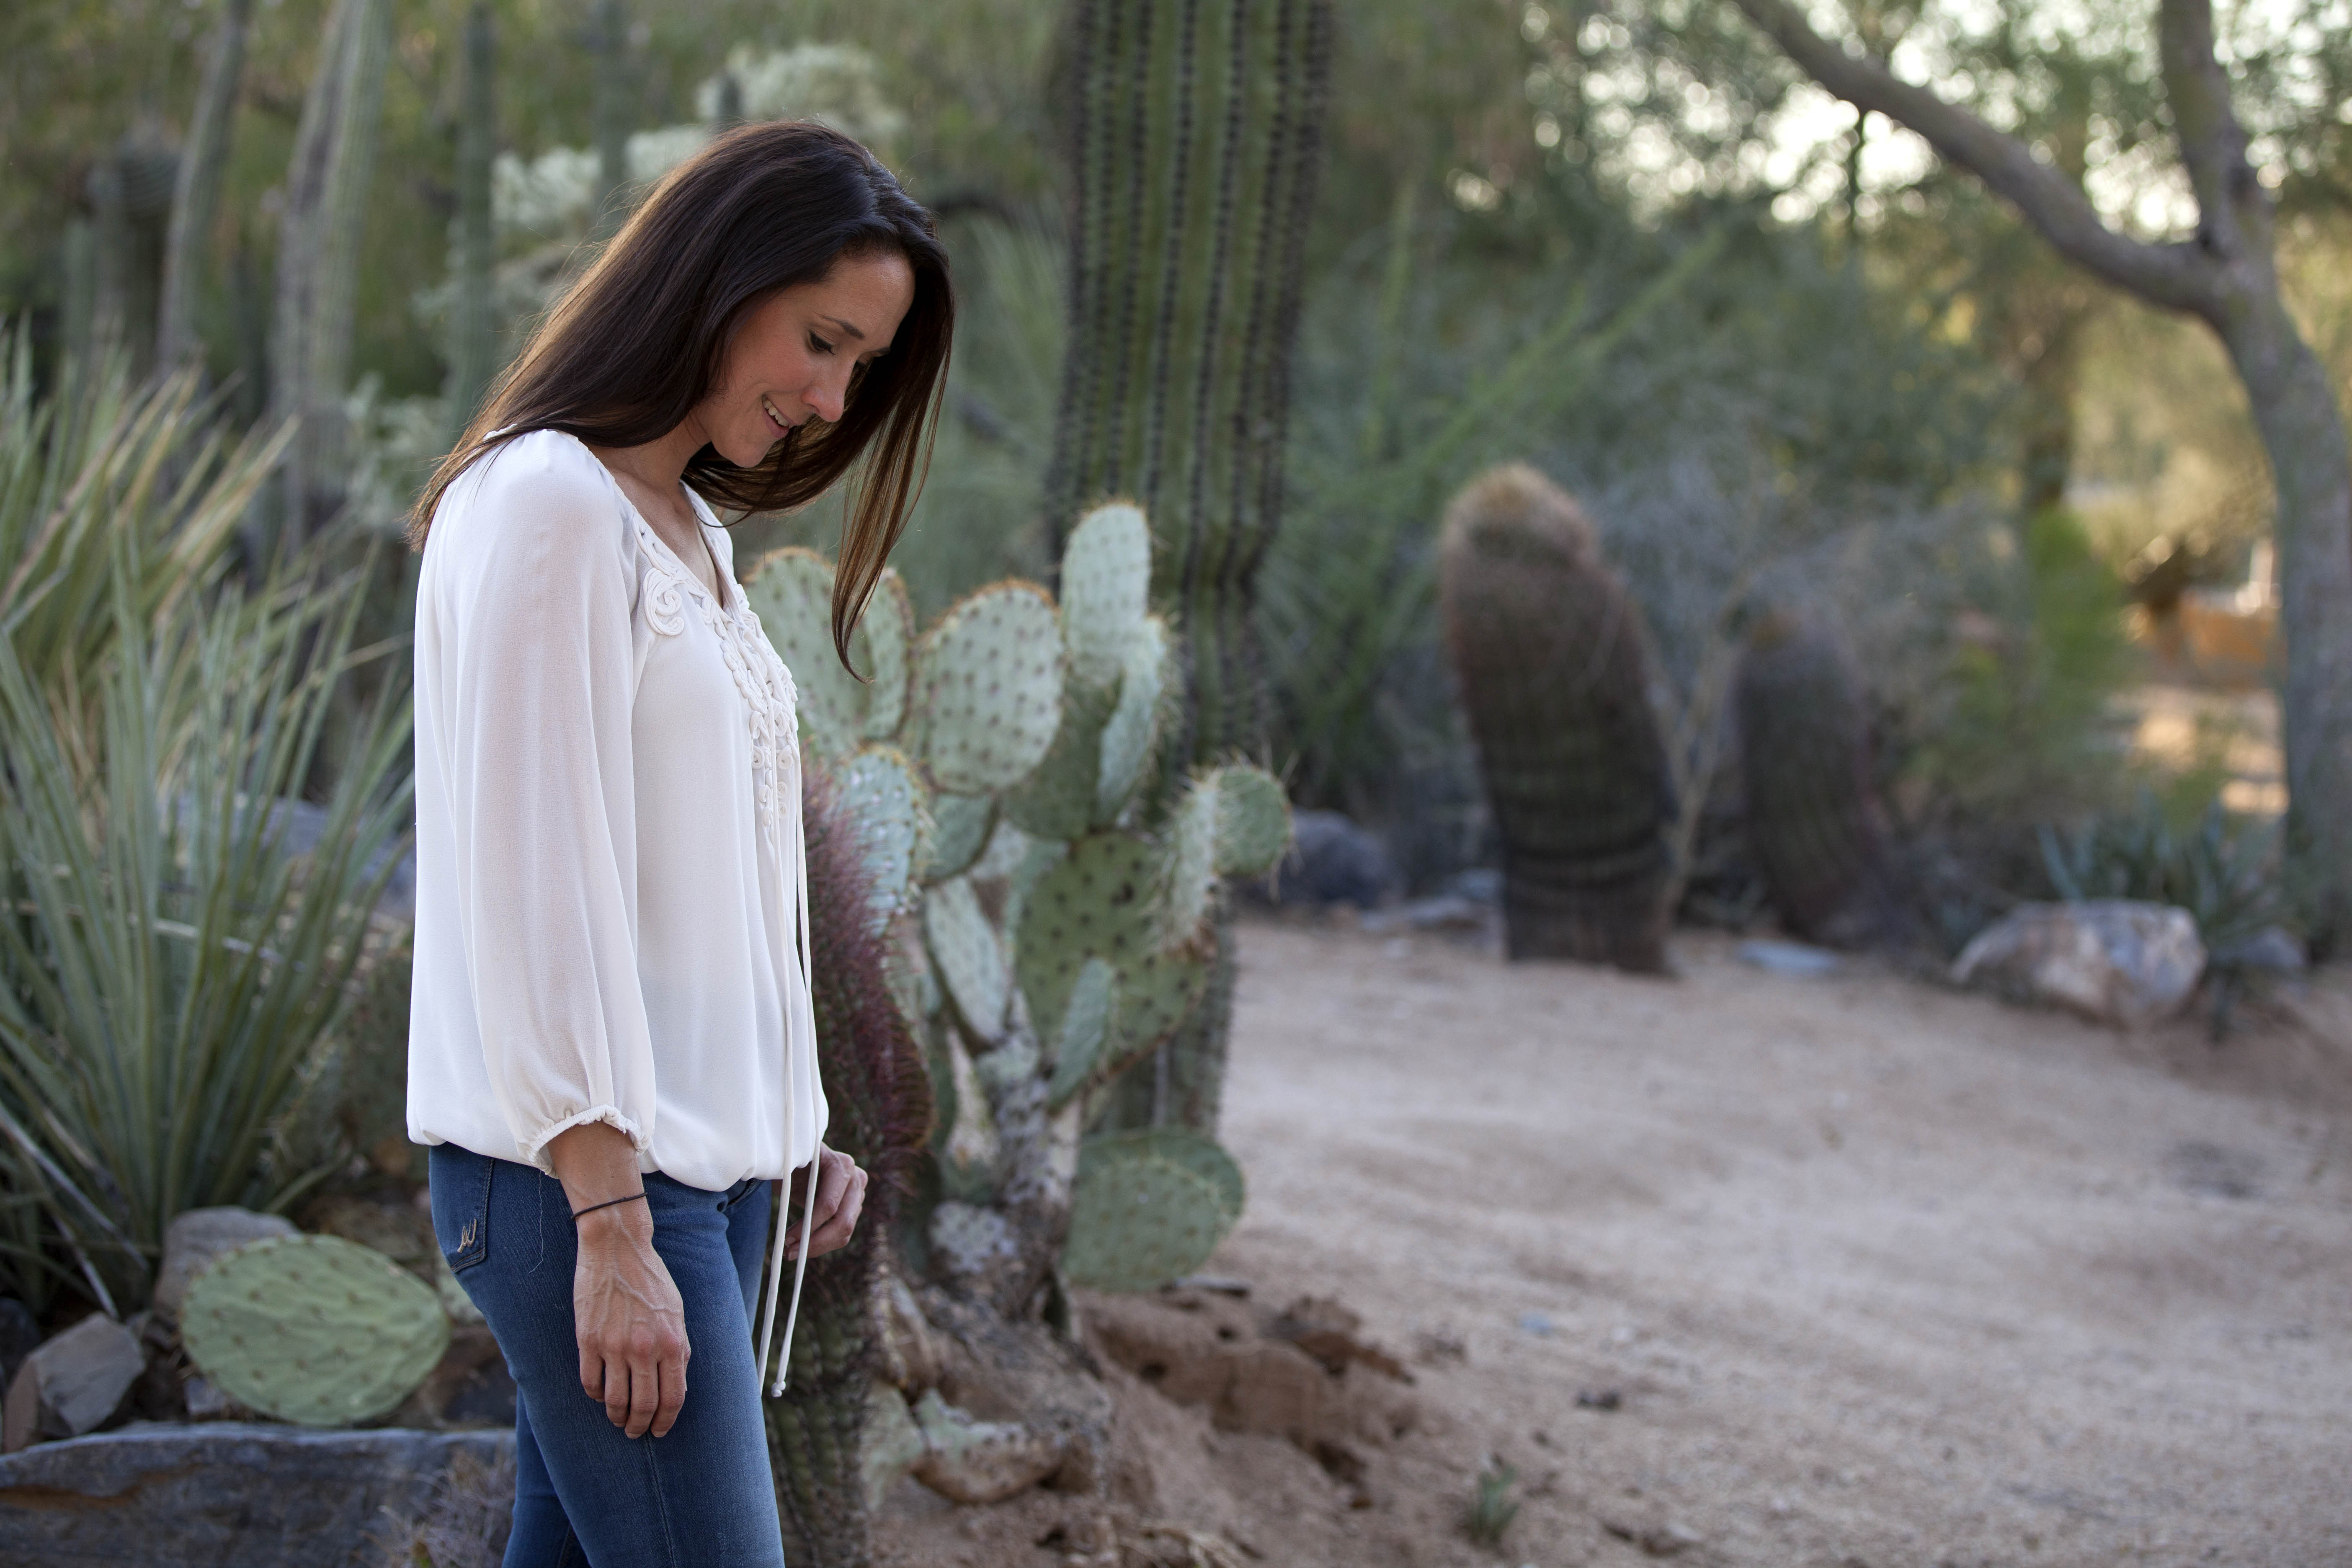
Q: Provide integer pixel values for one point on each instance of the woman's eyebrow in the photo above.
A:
(848, 329)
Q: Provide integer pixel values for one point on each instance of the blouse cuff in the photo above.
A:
(610, 1115)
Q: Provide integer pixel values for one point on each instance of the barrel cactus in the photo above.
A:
(1551, 654)
(881, 1103)
(1814, 821)
(313, 1329)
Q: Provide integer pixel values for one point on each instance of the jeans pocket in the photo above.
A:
(461, 1205)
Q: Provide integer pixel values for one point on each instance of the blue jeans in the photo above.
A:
(585, 1492)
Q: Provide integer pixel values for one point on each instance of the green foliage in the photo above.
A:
(1492, 1508)
(313, 1329)
(2021, 726)
(1148, 1208)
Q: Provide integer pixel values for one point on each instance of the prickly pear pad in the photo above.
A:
(1106, 582)
(792, 592)
(313, 1329)
(882, 648)
(1106, 900)
(989, 688)
(1148, 1208)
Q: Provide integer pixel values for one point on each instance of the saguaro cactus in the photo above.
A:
(1813, 816)
(473, 321)
(318, 250)
(1197, 128)
(1550, 651)
(203, 164)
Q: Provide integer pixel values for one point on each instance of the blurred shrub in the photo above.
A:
(2015, 720)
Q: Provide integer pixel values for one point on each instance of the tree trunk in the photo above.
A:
(473, 317)
(2295, 408)
(196, 197)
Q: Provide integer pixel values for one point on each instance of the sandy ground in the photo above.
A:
(1876, 1274)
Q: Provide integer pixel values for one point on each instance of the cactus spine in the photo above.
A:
(881, 1099)
(196, 195)
(1550, 650)
(473, 325)
(318, 252)
(1814, 821)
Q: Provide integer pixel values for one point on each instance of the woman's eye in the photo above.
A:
(819, 345)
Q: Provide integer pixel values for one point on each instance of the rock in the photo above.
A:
(1446, 911)
(2112, 960)
(206, 1403)
(2273, 948)
(968, 1460)
(1024, 1373)
(1795, 960)
(909, 1355)
(892, 1443)
(193, 1240)
(72, 1383)
(19, 1335)
(195, 1496)
(1331, 861)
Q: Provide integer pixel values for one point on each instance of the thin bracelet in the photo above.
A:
(608, 1203)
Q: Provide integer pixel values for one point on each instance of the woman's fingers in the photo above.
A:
(835, 1230)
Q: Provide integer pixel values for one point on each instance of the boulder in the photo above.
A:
(2115, 961)
(72, 1383)
(1331, 861)
(968, 1460)
(891, 1445)
(194, 1239)
(197, 1496)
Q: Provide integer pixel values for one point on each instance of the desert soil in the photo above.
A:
(1743, 1269)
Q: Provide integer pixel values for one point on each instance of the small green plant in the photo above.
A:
(1492, 1507)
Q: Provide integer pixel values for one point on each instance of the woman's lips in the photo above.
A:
(774, 418)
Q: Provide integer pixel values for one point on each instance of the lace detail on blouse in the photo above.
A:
(771, 701)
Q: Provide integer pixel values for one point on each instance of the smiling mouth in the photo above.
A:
(783, 426)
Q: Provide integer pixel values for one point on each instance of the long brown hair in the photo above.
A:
(640, 339)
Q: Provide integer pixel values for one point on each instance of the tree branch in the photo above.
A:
(2180, 277)
(2212, 143)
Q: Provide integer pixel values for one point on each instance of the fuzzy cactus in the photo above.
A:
(882, 1109)
(313, 1329)
(1550, 652)
(1148, 1206)
(1813, 817)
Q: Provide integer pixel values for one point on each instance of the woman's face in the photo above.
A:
(792, 358)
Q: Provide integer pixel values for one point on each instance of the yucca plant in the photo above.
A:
(109, 457)
(170, 962)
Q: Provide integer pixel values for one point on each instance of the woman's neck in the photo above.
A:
(660, 463)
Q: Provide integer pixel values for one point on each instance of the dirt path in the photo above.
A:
(1876, 1274)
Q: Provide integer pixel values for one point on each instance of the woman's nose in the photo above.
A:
(825, 396)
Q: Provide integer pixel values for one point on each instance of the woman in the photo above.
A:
(611, 1045)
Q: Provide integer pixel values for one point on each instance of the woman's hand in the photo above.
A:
(840, 1199)
(625, 1309)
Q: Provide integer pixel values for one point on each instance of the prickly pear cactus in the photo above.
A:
(1549, 650)
(1814, 815)
(792, 592)
(313, 1329)
(1148, 1208)
(1106, 900)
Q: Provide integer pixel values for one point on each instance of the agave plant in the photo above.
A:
(172, 947)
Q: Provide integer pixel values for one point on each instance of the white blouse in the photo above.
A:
(611, 880)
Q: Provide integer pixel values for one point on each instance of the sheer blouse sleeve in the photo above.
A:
(541, 680)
